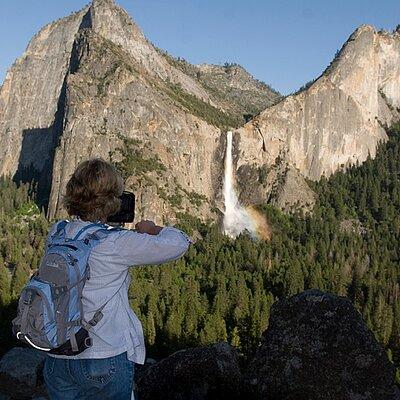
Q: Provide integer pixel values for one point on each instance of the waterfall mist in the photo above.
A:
(236, 217)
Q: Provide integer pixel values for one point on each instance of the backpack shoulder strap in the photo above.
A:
(85, 228)
(103, 232)
(60, 229)
(93, 237)
(98, 315)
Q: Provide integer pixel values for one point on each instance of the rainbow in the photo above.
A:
(236, 217)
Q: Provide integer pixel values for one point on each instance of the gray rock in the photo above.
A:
(352, 225)
(292, 192)
(21, 371)
(317, 347)
(197, 374)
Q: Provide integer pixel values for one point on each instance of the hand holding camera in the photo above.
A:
(149, 227)
(126, 214)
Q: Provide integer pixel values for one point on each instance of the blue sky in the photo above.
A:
(284, 43)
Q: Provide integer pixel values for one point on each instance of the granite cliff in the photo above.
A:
(91, 84)
(337, 119)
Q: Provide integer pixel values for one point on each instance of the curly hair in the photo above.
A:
(93, 191)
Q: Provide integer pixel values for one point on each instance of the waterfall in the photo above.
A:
(236, 217)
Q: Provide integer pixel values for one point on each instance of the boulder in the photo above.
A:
(200, 373)
(317, 347)
(21, 373)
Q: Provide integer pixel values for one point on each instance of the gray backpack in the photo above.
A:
(50, 315)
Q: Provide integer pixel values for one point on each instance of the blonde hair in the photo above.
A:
(93, 191)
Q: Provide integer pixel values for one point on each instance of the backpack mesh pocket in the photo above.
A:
(35, 322)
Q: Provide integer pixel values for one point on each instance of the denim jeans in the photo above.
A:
(84, 379)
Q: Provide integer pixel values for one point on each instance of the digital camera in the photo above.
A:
(126, 213)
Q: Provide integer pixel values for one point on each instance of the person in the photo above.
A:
(106, 369)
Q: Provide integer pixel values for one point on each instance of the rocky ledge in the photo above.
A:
(316, 347)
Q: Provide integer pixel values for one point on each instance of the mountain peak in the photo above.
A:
(365, 28)
(96, 3)
(370, 29)
(361, 31)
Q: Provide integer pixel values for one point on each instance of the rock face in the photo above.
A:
(292, 192)
(339, 118)
(115, 110)
(91, 84)
(203, 373)
(317, 347)
(28, 102)
(231, 87)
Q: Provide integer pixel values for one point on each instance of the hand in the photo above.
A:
(149, 227)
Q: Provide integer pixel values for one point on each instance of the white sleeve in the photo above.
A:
(134, 248)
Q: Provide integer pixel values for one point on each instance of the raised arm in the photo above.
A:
(136, 248)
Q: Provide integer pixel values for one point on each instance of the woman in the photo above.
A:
(106, 369)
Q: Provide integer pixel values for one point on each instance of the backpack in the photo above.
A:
(50, 313)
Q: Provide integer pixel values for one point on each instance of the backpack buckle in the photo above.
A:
(88, 342)
(96, 318)
(59, 290)
(28, 299)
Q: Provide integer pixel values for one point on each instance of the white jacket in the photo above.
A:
(120, 330)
